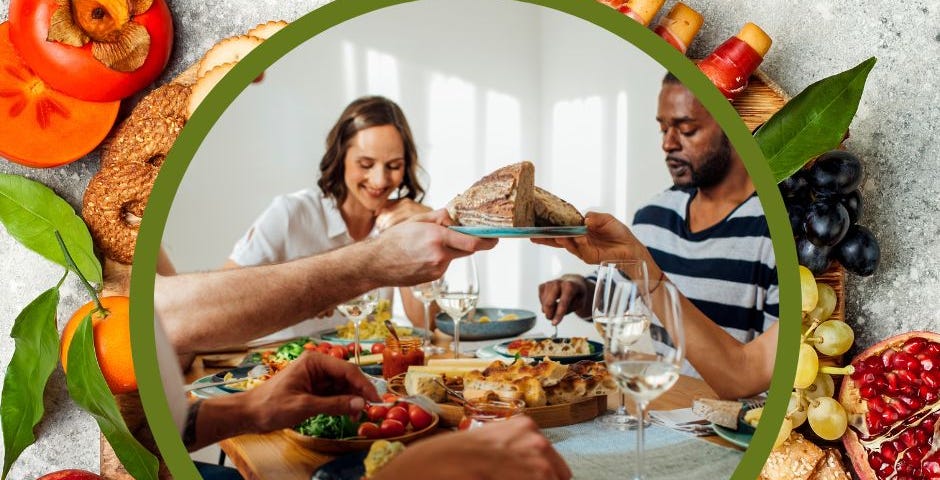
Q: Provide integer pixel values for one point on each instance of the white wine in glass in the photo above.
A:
(644, 374)
(357, 309)
(459, 293)
(427, 293)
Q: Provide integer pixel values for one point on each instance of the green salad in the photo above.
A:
(329, 426)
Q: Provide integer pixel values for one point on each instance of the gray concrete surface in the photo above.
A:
(893, 134)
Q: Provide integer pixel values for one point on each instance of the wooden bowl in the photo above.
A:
(326, 445)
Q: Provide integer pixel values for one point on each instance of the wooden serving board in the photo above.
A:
(755, 105)
(545, 417)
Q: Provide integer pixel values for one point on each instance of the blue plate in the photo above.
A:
(347, 467)
(740, 439)
(473, 330)
(240, 372)
(597, 351)
(521, 232)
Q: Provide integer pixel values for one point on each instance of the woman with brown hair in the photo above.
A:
(368, 182)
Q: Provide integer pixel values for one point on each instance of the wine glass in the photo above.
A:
(609, 274)
(640, 306)
(460, 290)
(358, 308)
(426, 293)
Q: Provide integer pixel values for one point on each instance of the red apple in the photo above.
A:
(71, 475)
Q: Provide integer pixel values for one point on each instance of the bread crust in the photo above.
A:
(504, 198)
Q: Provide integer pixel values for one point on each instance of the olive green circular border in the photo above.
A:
(331, 14)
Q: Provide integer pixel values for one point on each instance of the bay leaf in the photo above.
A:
(813, 122)
(32, 212)
(90, 391)
(35, 357)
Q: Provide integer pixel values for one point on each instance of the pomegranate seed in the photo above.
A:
(909, 376)
(927, 364)
(874, 423)
(910, 456)
(877, 405)
(887, 357)
(907, 437)
(920, 437)
(932, 468)
(928, 422)
(931, 378)
(868, 392)
(902, 410)
(914, 345)
(911, 402)
(872, 364)
(933, 350)
(875, 462)
(893, 384)
(889, 453)
(889, 416)
(905, 361)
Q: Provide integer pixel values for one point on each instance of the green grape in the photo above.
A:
(806, 366)
(785, 428)
(808, 289)
(827, 418)
(823, 386)
(833, 337)
(796, 410)
(825, 304)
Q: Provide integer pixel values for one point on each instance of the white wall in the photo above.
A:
(483, 83)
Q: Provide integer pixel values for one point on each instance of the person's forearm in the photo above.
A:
(219, 418)
(224, 308)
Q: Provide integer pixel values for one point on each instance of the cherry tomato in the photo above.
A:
(398, 413)
(391, 428)
(389, 397)
(324, 348)
(73, 70)
(464, 424)
(419, 418)
(369, 430)
(338, 352)
(378, 347)
(377, 413)
(310, 346)
(326, 345)
(352, 348)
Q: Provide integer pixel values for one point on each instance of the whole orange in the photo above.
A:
(112, 342)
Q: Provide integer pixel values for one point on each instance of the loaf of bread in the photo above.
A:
(503, 198)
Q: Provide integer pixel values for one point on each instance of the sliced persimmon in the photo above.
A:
(40, 127)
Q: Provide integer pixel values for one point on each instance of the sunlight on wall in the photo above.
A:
(453, 159)
(349, 69)
(620, 157)
(577, 151)
(382, 75)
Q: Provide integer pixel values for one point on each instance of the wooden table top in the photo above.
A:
(275, 456)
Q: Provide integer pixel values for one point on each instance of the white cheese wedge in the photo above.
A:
(421, 383)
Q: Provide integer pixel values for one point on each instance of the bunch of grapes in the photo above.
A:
(812, 398)
(824, 206)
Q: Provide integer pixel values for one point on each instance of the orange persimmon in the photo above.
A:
(41, 127)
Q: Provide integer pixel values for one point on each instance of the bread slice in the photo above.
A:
(551, 211)
(795, 459)
(503, 198)
(720, 412)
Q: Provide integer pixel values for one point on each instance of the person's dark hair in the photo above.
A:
(363, 113)
(670, 79)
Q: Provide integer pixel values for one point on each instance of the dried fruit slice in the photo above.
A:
(204, 85)
(229, 50)
(265, 30)
(893, 403)
(40, 126)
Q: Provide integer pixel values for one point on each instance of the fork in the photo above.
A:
(255, 372)
(453, 393)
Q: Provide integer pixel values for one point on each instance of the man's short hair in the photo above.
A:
(670, 79)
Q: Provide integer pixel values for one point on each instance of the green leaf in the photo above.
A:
(34, 359)
(88, 389)
(31, 213)
(813, 122)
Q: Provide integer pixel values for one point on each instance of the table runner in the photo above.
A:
(595, 454)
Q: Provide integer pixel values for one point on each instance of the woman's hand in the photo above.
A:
(397, 212)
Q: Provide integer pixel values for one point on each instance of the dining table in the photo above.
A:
(274, 455)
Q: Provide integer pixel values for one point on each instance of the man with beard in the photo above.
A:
(708, 235)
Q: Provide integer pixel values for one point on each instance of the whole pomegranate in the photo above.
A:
(893, 403)
(71, 475)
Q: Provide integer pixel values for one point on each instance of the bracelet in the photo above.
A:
(662, 277)
(189, 432)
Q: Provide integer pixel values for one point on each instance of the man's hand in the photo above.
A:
(562, 296)
(511, 449)
(312, 384)
(420, 249)
(607, 239)
(397, 212)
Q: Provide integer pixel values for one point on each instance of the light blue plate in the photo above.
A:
(521, 232)
(380, 385)
(474, 330)
(597, 352)
(332, 337)
(738, 438)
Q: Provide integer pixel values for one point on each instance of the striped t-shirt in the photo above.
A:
(728, 270)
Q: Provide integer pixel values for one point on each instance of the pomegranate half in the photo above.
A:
(893, 403)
